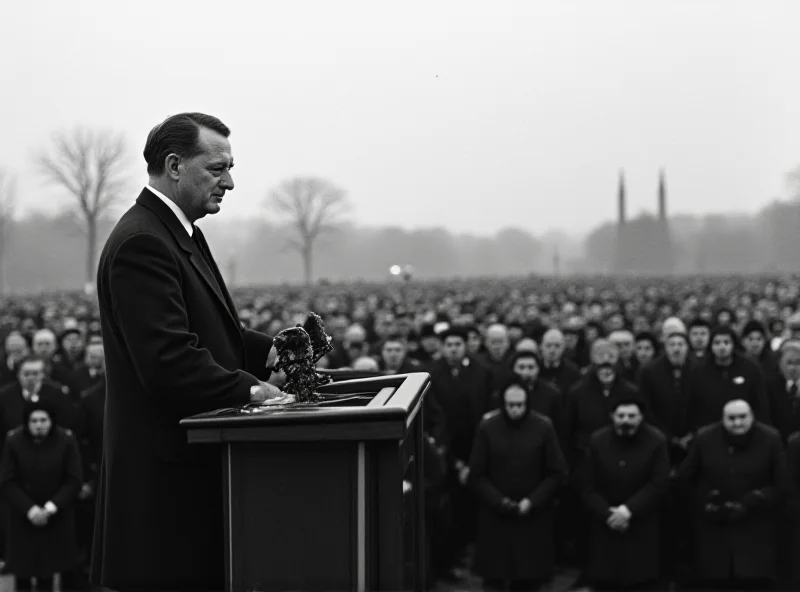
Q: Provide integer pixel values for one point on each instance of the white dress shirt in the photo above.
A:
(175, 210)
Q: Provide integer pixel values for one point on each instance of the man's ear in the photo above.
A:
(172, 165)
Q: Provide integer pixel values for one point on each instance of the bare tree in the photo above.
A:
(311, 207)
(90, 166)
(8, 201)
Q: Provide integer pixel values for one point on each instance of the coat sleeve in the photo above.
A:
(647, 499)
(257, 346)
(478, 465)
(793, 462)
(144, 287)
(555, 471)
(73, 476)
(773, 494)
(9, 481)
(598, 506)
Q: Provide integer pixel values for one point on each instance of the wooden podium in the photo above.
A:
(326, 496)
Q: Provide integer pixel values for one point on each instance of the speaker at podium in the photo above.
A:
(326, 495)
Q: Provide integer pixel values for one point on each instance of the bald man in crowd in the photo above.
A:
(737, 477)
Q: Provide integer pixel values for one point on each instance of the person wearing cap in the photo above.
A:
(40, 477)
(724, 376)
(516, 471)
(623, 487)
(737, 479)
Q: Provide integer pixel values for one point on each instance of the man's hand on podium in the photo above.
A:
(264, 391)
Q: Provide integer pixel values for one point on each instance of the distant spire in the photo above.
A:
(662, 196)
(621, 198)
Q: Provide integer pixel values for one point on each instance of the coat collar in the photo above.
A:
(151, 201)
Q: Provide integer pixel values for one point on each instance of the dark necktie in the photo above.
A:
(199, 242)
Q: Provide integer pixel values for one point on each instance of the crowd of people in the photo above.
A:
(641, 430)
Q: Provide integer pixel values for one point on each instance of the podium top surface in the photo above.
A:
(379, 407)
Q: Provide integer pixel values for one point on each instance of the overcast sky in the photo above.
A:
(473, 115)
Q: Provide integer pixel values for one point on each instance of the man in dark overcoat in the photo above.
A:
(516, 470)
(588, 408)
(784, 390)
(555, 368)
(626, 480)
(724, 376)
(174, 347)
(792, 565)
(462, 387)
(737, 477)
(543, 397)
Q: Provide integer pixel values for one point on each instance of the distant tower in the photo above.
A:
(620, 251)
(662, 197)
(621, 198)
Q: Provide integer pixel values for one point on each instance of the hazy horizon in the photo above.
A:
(473, 116)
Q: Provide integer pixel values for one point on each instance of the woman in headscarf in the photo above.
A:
(40, 477)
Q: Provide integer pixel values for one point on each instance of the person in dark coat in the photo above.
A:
(784, 390)
(40, 477)
(726, 375)
(664, 386)
(560, 372)
(626, 480)
(588, 408)
(792, 565)
(32, 384)
(737, 477)
(516, 470)
(756, 344)
(543, 398)
(174, 347)
(461, 386)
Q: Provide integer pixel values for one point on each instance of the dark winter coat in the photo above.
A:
(564, 376)
(31, 474)
(793, 454)
(752, 473)
(635, 473)
(588, 409)
(512, 462)
(712, 386)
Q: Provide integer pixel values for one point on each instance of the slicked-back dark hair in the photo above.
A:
(178, 134)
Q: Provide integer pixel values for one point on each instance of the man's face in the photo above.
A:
(790, 365)
(677, 349)
(722, 347)
(31, 375)
(627, 419)
(431, 344)
(514, 400)
(605, 360)
(515, 334)
(393, 353)
(497, 343)
(44, 345)
(16, 347)
(204, 178)
(698, 337)
(552, 348)
(39, 424)
(737, 418)
(527, 369)
(95, 357)
(454, 349)
(625, 344)
(754, 343)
